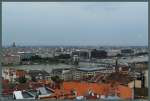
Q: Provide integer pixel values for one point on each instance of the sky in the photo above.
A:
(75, 23)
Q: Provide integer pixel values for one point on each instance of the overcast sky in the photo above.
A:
(83, 23)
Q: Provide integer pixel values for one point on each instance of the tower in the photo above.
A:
(75, 59)
(14, 44)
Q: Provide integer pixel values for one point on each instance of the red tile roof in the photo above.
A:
(83, 87)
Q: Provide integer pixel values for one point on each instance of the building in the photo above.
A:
(45, 55)
(146, 79)
(22, 95)
(84, 89)
(14, 44)
(9, 74)
(26, 55)
(98, 54)
(80, 73)
(127, 52)
(75, 60)
(63, 73)
(82, 54)
(118, 77)
(39, 75)
(87, 72)
(43, 92)
(11, 60)
(12, 74)
(140, 93)
(39, 93)
(113, 52)
(135, 83)
(124, 69)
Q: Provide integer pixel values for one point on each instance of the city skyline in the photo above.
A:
(100, 24)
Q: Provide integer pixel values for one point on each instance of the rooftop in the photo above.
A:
(119, 77)
(102, 89)
(38, 72)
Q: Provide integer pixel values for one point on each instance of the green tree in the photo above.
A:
(22, 80)
(58, 82)
(11, 85)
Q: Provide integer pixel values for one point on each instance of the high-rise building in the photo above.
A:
(98, 54)
(14, 44)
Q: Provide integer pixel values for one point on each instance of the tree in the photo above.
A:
(57, 81)
(55, 78)
(22, 80)
(11, 85)
(119, 55)
(33, 79)
(64, 56)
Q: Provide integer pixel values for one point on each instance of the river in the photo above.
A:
(46, 67)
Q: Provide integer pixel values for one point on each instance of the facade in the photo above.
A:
(146, 78)
(136, 84)
(82, 54)
(26, 55)
(98, 54)
(87, 72)
(124, 69)
(12, 74)
(64, 74)
(45, 55)
(39, 75)
(75, 59)
(67, 75)
(113, 52)
(10, 59)
(8, 74)
(127, 51)
(80, 73)
(22, 95)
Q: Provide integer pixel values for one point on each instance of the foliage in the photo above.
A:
(49, 60)
(22, 80)
(11, 85)
(58, 82)
(55, 79)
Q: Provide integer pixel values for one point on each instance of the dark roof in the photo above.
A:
(119, 77)
(22, 86)
(37, 72)
(140, 92)
(125, 68)
(59, 70)
(27, 95)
